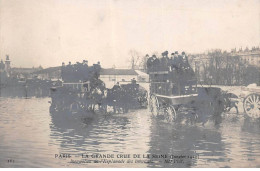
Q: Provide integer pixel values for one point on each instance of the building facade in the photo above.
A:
(249, 57)
(111, 76)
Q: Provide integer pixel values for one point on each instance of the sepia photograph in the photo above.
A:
(129, 84)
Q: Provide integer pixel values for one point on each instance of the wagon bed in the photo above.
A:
(177, 100)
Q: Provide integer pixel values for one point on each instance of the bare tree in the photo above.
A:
(134, 58)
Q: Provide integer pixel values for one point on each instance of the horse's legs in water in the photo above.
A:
(99, 106)
(114, 107)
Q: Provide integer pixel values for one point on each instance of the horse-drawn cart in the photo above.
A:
(166, 96)
(124, 97)
(82, 91)
(173, 85)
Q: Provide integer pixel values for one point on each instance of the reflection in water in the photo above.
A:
(102, 134)
(185, 140)
(32, 136)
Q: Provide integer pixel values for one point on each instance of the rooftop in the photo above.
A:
(47, 70)
(113, 71)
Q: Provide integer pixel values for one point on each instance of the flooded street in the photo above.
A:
(31, 136)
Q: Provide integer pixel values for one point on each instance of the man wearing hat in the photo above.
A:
(164, 61)
(156, 63)
(149, 63)
(173, 65)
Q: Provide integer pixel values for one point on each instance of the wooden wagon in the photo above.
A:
(167, 93)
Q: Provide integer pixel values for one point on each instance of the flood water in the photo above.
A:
(30, 136)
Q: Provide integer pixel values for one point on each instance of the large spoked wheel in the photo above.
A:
(252, 105)
(154, 105)
(170, 114)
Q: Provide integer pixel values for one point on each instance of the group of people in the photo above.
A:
(175, 63)
(126, 96)
(117, 87)
(175, 69)
(79, 71)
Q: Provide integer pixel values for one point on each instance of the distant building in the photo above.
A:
(142, 76)
(2, 66)
(52, 73)
(8, 66)
(5, 67)
(111, 76)
(250, 57)
(15, 72)
(24, 72)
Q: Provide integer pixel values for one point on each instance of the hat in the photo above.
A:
(183, 53)
(176, 52)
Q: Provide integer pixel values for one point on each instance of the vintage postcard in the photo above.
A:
(129, 83)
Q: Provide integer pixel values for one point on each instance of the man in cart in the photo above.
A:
(149, 63)
(164, 61)
(116, 87)
(174, 74)
(156, 63)
(187, 74)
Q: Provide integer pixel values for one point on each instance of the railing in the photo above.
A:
(173, 88)
(164, 88)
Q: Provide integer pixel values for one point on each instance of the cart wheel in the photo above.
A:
(170, 114)
(154, 105)
(252, 105)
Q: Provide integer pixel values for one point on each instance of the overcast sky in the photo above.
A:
(48, 32)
